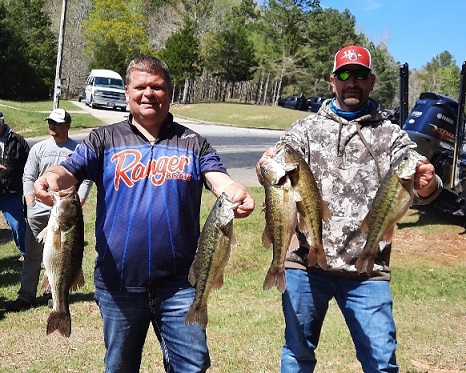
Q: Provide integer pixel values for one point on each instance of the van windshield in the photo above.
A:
(109, 82)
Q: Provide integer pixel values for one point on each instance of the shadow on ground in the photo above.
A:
(429, 215)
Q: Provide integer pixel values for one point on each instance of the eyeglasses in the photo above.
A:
(361, 74)
(50, 121)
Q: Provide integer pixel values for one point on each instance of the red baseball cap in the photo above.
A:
(352, 55)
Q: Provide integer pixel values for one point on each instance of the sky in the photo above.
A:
(415, 31)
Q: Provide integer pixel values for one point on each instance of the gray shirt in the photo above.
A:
(45, 154)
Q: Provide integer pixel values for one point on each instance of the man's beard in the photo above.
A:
(352, 101)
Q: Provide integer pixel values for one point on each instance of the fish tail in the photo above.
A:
(275, 277)
(317, 256)
(60, 321)
(365, 263)
(197, 315)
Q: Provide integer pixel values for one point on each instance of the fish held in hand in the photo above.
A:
(63, 254)
(281, 219)
(212, 255)
(391, 202)
(311, 207)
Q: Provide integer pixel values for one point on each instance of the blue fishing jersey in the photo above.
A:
(148, 201)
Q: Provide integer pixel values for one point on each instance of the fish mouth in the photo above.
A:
(62, 193)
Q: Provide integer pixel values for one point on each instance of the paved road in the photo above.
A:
(239, 148)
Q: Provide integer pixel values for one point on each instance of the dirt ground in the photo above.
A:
(429, 233)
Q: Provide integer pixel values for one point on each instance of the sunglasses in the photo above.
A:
(361, 74)
(50, 121)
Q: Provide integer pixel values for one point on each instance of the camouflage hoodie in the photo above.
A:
(346, 158)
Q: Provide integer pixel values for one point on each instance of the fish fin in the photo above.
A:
(296, 196)
(365, 224)
(365, 263)
(302, 226)
(78, 281)
(60, 321)
(233, 241)
(317, 256)
(294, 241)
(197, 315)
(192, 277)
(45, 286)
(300, 208)
(388, 234)
(326, 214)
(217, 281)
(266, 240)
(275, 277)
(42, 236)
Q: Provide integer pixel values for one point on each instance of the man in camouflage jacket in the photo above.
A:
(349, 147)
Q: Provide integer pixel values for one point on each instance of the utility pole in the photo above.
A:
(61, 37)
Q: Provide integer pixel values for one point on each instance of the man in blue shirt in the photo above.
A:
(149, 172)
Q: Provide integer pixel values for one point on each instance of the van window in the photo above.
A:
(109, 82)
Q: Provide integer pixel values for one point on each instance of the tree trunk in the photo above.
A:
(264, 101)
(185, 99)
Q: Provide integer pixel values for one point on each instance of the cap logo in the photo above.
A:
(351, 55)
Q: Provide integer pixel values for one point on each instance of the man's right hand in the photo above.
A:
(54, 179)
(42, 186)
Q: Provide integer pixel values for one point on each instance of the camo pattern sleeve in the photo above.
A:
(347, 158)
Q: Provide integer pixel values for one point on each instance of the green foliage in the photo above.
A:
(449, 78)
(230, 53)
(387, 72)
(108, 54)
(276, 46)
(115, 34)
(181, 53)
(299, 41)
(233, 58)
(327, 31)
(29, 50)
(442, 75)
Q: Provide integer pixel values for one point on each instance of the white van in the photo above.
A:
(105, 88)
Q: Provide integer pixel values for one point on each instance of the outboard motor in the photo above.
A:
(432, 126)
(432, 123)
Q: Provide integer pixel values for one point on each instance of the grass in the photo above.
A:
(269, 117)
(245, 330)
(27, 118)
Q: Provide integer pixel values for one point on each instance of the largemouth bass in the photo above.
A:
(213, 253)
(311, 207)
(281, 219)
(63, 254)
(391, 202)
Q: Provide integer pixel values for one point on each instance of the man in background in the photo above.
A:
(14, 151)
(46, 153)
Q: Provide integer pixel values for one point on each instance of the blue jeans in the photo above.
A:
(366, 307)
(126, 318)
(13, 211)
